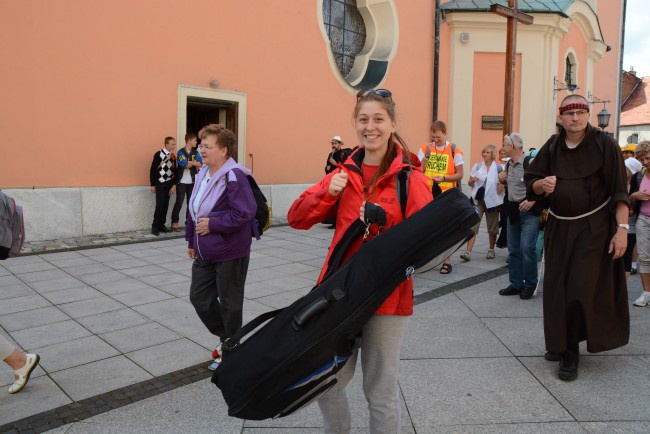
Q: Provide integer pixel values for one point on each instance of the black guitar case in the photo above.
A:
(292, 359)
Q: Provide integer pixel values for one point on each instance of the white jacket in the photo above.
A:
(489, 179)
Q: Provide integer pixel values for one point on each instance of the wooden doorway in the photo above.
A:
(198, 106)
(204, 111)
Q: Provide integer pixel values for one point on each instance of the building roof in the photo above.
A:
(630, 82)
(636, 110)
(526, 6)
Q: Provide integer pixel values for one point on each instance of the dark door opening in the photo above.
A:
(204, 111)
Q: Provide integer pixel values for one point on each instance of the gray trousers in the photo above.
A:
(380, 350)
(217, 294)
(6, 348)
(643, 243)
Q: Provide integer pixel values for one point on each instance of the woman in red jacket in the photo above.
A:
(368, 175)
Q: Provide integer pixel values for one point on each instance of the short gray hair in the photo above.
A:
(516, 140)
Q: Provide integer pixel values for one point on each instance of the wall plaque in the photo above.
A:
(492, 122)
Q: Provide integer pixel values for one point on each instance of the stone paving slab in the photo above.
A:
(98, 377)
(44, 394)
(70, 295)
(475, 391)
(41, 336)
(113, 320)
(156, 359)
(32, 318)
(450, 338)
(78, 352)
(140, 336)
(57, 284)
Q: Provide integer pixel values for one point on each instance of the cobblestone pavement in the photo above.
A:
(93, 241)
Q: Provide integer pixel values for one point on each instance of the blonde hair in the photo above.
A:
(642, 148)
(492, 149)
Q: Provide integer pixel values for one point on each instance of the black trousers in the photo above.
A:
(217, 294)
(183, 191)
(162, 204)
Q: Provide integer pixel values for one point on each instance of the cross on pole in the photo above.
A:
(512, 14)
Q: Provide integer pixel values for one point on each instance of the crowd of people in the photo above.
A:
(570, 200)
(589, 199)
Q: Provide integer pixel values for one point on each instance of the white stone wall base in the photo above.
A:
(55, 213)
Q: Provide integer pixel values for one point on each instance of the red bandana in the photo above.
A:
(574, 106)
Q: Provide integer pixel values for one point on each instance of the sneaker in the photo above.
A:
(643, 301)
(215, 364)
(466, 256)
(490, 254)
(634, 270)
(175, 227)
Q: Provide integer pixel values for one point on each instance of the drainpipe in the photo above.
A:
(436, 60)
(620, 72)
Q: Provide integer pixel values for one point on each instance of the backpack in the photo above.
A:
(12, 227)
(262, 219)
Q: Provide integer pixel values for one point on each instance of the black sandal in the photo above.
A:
(445, 269)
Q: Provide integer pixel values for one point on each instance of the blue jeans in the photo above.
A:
(522, 258)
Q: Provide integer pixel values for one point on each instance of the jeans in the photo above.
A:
(522, 258)
(183, 191)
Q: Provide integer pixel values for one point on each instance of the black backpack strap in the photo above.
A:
(402, 181)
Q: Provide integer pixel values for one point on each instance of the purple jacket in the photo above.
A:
(230, 207)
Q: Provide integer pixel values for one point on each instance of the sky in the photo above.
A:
(637, 37)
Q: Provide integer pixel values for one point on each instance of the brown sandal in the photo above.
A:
(445, 269)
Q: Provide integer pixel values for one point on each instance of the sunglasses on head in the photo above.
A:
(384, 93)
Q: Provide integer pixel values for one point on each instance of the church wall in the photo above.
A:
(92, 90)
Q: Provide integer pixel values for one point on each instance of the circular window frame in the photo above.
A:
(371, 65)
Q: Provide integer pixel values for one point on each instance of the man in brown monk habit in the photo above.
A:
(581, 176)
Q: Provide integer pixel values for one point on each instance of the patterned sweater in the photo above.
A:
(163, 167)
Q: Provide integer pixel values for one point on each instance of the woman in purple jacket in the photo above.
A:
(219, 235)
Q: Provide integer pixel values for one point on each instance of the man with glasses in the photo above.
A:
(522, 222)
(580, 174)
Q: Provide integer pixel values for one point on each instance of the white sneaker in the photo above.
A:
(643, 301)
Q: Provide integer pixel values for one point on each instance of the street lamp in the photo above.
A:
(603, 116)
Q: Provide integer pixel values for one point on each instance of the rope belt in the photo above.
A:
(587, 214)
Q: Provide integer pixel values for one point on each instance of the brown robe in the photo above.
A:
(585, 293)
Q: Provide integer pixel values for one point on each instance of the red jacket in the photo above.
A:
(317, 204)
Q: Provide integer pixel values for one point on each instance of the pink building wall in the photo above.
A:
(90, 88)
